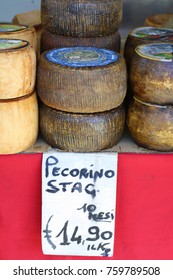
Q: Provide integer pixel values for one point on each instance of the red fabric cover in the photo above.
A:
(144, 214)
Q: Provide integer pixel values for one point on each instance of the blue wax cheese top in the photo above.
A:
(158, 51)
(81, 56)
(11, 44)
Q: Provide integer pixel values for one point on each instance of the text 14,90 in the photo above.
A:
(133, 270)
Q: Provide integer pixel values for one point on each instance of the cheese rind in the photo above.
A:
(81, 132)
(78, 87)
(21, 32)
(151, 73)
(18, 124)
(81, 18)
(151, 125)
(17, 68)
(51, 41)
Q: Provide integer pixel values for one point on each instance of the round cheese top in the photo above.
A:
(153, 33)
(157, 51)
(10, 44)
(4, 28)
(82, 56)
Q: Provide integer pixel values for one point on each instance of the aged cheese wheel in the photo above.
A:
(18, 124)
(145, 35)
(151, 125)
(17, 68)
(17, 31)
(151, 74)
(51, 41)
(81, 79)
(81, 18)
(81, 132)
(157, 20)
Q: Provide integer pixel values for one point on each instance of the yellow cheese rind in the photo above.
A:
(17, 72)
(18, 124)
(27, 34)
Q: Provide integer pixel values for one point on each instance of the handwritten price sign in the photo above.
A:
(78, 203)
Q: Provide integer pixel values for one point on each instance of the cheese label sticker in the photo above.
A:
(160, 52)
(10, 28)
(82, 56)
(152, 33)
(8, 44)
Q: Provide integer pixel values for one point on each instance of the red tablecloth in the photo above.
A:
(144, 213)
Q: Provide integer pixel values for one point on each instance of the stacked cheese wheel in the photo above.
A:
(18, 31)
(139, 36)
(82, 90)
(149, 118)
(145, 35)
(86, 23)
(18, 102)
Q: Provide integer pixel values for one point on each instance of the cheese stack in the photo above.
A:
(18, 31)
(18, 101)
(82, 90)
(150, 114)
(81, 23)
(140, 36)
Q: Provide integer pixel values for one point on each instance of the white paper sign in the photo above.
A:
(78, 203)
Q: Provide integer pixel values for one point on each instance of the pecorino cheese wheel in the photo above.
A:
(17, 68)
(81, 18)
(51, 41)
(151, 74)
(145, 35)
(81, 132)
(18, 124)
(81, 79)
(157, 20)
(151, 125)
(21, 32)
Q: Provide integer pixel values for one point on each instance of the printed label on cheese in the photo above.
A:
(82, 56)
(11, 28)
(8, 44)
(151, 33)
(159, 52)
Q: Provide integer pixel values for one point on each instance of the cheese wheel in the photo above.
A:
(81, 18)
(81, 132)
(145, 35)
(151, 125)
(18, 124)
(157, 20)
(21, 32)
(81, 79)
(51, 41)
(17, 68)
(151, 74)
